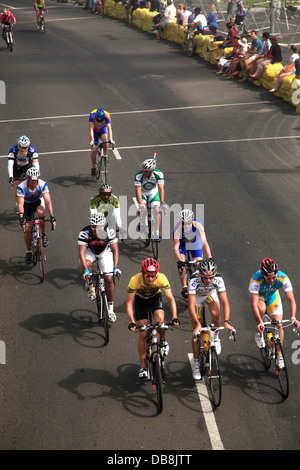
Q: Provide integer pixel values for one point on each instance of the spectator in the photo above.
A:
(252, 54)
(240, 13)
(184, 16)
(273, 57)
(212, 19)
(235, 64)
(134, 4)
(230, 9)
(153, 5)
(297, 67)
(228, 41)
(264, 53)
(225, 62)
(287, 70)
(200, 22)
(179, 11)
(169, 15)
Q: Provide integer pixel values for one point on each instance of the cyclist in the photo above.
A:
(40, 7)
(264, 294)
(97, 241)
(188, 235)
(32, 195)
(100, 127)
(144, 292)
(149, 184)
(20, 158)
(7, 19)
(207, 286)
(109, 205)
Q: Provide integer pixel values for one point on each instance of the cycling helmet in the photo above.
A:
(99, 115)
(150, 265)
(149, 164)
(23, 141)
(105, 188)
(97, 218)
(33, 173)
(186, 215)
(207, 265)
(6, 12)
(268, 266)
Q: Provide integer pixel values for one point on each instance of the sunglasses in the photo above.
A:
(207, 277)
(150, 275)
(105, 194)
(270, 277)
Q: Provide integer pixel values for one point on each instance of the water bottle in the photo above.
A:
(270, 339)
(205, 341)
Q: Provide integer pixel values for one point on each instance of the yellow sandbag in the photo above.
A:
(120, 11)
(108, 7)
(137, 18)
(268, 78)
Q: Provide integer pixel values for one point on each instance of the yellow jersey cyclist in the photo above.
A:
(188, 235)
(97, 241)
(264, 295)
(40, 7)
(207, 286)
(150, 185)
(100, 128)
(144, 293)
(109, 205)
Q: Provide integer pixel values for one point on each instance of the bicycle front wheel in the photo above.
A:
(41, 259)
(214, 377)
(281, 371)
(266, 353)
(105, 317)
(43, 26)
(190, 47)
(154, 243)
(158, 382)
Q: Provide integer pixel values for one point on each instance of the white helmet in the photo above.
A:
(97, 218)
(186, 215)
(23, 141)
(105, 188)
(149, 164)
(33, 173)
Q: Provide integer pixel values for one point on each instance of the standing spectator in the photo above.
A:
(252, 54)
(287, 70)
(240, 13)
(212, 19)
(230, 9)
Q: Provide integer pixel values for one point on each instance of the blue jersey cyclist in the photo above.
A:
(100, 129)
(20, 158)
(263, 289)
(189, 235)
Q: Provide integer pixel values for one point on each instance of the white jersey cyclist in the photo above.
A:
(148, 179)
(33, 195)
(206, 293)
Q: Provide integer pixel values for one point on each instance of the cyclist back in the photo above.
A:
(100, 128)
(97, 241)
(207, 286)
(32, 196)
(21, 157)
(264, 295)
(188, 235)
(144, 294)
(150, 185)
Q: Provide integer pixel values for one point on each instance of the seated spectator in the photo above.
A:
(134, 4)
(184, 16)
(288, 70)
(273, 57)
(200, 23)
(228, 41)
(169, 15)
(212, 20)
(235, 66)
(264, 53)
(297, 67)
(153, 5)
(252, 54)
(225, 62)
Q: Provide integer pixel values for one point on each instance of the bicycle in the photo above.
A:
(41, 23)
(150, 228)
(189, 43)
(190, 265)
(209, 360)
(37, 248)
(155, 358)
(9, 37)
(273, 350)
(102, 162)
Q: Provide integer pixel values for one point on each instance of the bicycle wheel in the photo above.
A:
(43, 25)
(148, 239)
(190, 47)
(105, 164)
(154, 244)
(202, 362)
(266, 353)
(281, 372)
(214, 377)
(41, 259)
(105, 317)
(184, 45)
(158, 383)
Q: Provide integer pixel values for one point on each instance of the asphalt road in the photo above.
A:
(229, 146)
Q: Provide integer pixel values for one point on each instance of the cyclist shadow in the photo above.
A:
(135, 250)
(82, 325)
(83, 180)
(249, 374)
(61, 278)
(9, 220)
(23, 273)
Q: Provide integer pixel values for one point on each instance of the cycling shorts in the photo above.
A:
(30, 207)
(20, 171)
(273, 305)
(152, 196)
(106, 260)
(99, 134)
(213, 296)
(194, 253)
(142, 306)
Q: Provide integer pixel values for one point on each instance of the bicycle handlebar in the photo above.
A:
(273, 323)
(232, 333)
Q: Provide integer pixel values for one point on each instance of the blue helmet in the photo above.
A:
(99, 115)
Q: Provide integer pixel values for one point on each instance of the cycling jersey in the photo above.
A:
(203, 292)
(99, 126)
(110, 209)
(136, 286)
(39, 3)
(20, 160)
(258, 285)
(189, 240)
(32, 195)
(149, 184)
(96, 245)
(7, 19)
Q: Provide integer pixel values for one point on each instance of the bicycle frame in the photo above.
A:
(102, 162)
(41, 20)
(36, 245)
(101, 300)
(9, 38)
